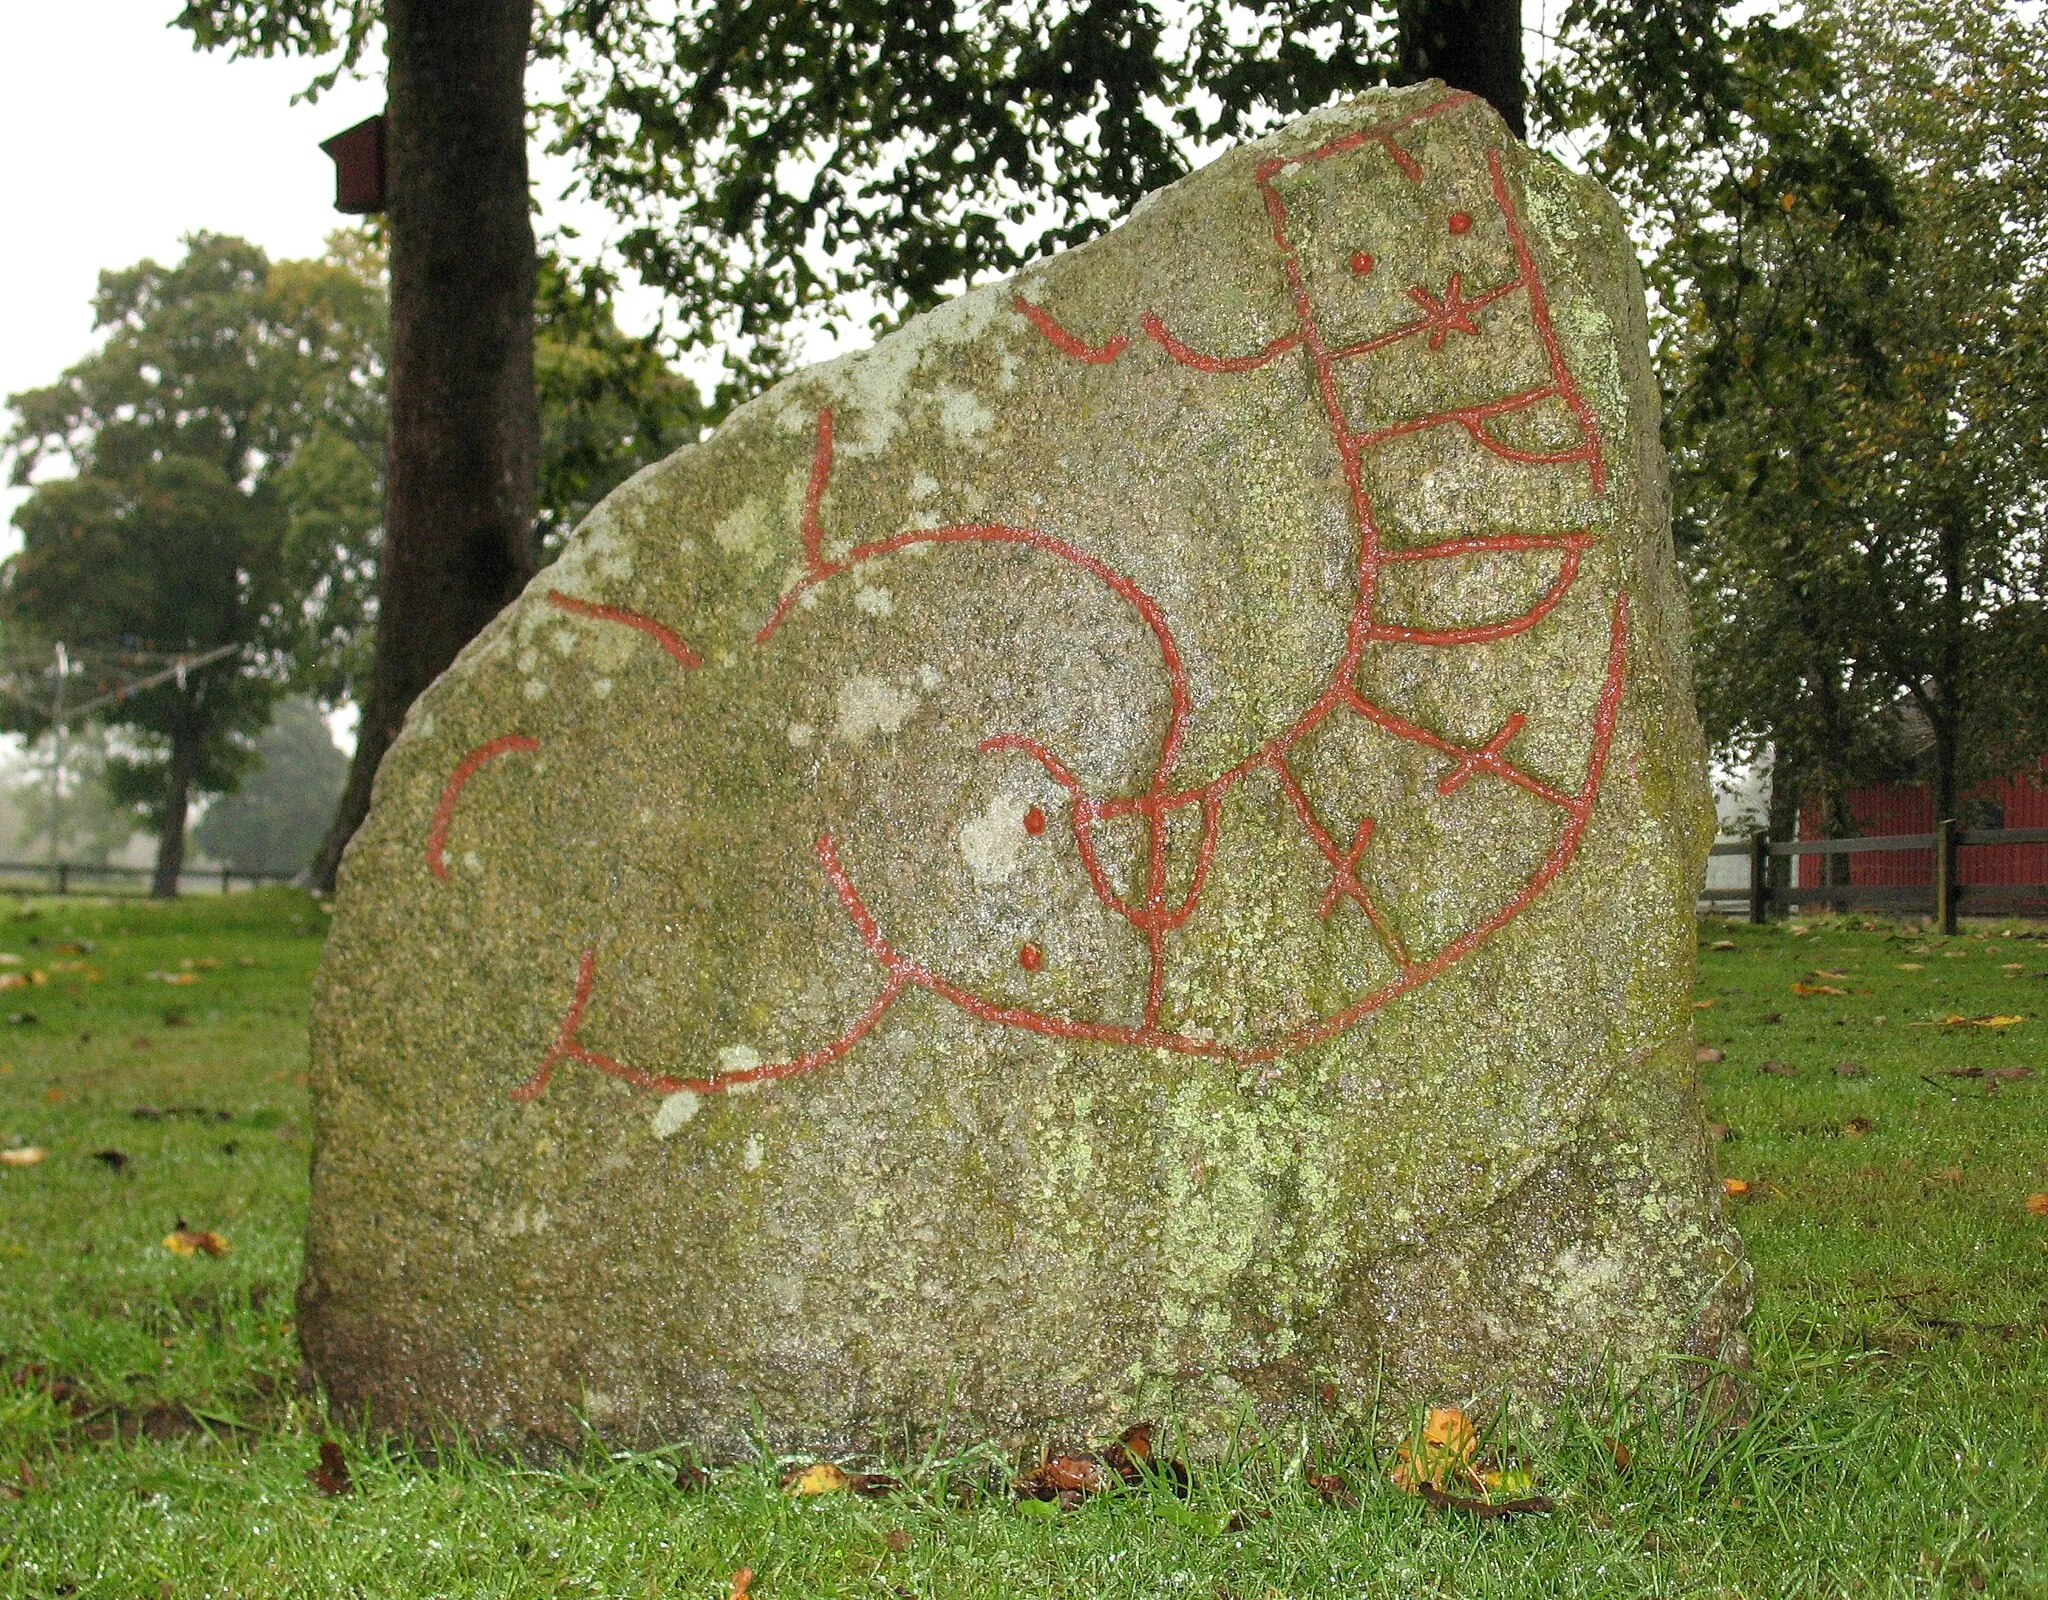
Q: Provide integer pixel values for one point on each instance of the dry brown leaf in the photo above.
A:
(897, 1539)
(742, 1581)
(184, 1241)
(1526, 1506)
(1911, 966)
(1856, 1127)
(1951, 1176)
(1706, 1055)
(331, 1477)
(691, 1478)
(1623, 1456)
(1704, 1005)
(25, 1156)
(1719, 1132)
(1722, 944)
(1817, 988)
(1331, 1487)
(1851, 1069)
(1735, 1188)
(1957, 1020)
(1777, 1069)
(2037, 1205)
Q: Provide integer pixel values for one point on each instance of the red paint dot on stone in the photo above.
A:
(1030, 958)
(1362, 262)
(1034, 822)
(1461, 222)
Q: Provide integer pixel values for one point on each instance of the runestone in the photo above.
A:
(1128, 851)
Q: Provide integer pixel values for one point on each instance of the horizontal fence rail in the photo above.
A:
(1942, 898)
(72, 877)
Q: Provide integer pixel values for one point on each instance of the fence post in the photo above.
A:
(63, 877)
(1759, 877)
(1945, 876)
(223, 877)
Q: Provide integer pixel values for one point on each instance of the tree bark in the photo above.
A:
(1474, 45)
(170, 840)
(464, 441)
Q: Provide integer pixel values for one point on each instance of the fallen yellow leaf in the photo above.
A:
(1912, 966)
(820, 1477)
(1446, 1453)
(26, 1156)
(1957, 1020)
(13, 980)
(186, 1242)
(1734, 1187)
(1704, 1005)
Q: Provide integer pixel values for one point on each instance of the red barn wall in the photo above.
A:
(1909, 808)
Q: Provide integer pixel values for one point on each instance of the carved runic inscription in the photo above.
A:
(1433, 314)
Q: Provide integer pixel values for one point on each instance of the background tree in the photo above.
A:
(80, 823)
(1855, 340)
(171, 532)
(278, 817)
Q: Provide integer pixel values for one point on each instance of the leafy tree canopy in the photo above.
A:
(776, 162)
(1857, 338)
(276, 820)
(172, 533)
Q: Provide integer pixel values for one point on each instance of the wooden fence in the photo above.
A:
(1942, 898)
(70, 877)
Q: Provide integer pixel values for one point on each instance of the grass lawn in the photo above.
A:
(156, 1431)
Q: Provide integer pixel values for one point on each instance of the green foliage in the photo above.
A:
(774, 163)
(278, 817)
(1898, 1444)
(172, 554)
(609, 405)
(1856, 289)
(173, 533)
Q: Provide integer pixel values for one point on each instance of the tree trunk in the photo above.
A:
(464, 441)
(1471, 44)
(170, 842)
(1946, 761)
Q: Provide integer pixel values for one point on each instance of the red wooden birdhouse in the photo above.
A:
(358, 154)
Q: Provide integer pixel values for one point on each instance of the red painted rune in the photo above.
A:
(1146, 905)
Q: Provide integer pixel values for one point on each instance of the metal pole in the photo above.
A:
(63, 666)
(1759, 877)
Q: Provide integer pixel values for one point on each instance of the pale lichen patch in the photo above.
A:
(673, 1112)
(992, 844)
(869, 705)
